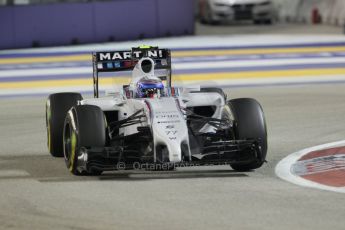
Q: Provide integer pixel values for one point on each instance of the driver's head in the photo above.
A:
(149, 88)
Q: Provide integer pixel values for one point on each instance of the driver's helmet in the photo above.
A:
(150, 88)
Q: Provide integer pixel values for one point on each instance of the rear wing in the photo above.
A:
(126, 60)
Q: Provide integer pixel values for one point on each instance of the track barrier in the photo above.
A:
(25, 26)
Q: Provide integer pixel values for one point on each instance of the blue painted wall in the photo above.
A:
(117, 20)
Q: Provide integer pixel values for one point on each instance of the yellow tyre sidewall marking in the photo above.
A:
(73, 150)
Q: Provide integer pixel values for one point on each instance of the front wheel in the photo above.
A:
(249, 124)
(84, 128)
(57, 106)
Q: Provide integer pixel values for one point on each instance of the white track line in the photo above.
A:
(193, 42)
(257, 82)
(179, 66)
(283, 168)
(45, 72)
(13, 173)
(259, 63)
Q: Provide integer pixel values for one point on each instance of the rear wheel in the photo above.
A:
(249, 124)
(84, 128)
(57, 106)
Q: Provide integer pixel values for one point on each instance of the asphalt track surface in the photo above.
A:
(37, 191)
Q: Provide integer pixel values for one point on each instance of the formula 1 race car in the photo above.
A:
(150, 124)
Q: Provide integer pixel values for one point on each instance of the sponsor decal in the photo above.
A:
(125, 55)
(325, 167)
(319, 165)
(99, 66)
(109, 65)
(169, 122)
(168, 116)
(171, 132)
(117, 64)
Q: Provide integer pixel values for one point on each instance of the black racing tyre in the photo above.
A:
(249, 123)
(57, 106)
(84, 128)
(216, 90)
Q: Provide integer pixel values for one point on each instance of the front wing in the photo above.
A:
(217, 153)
